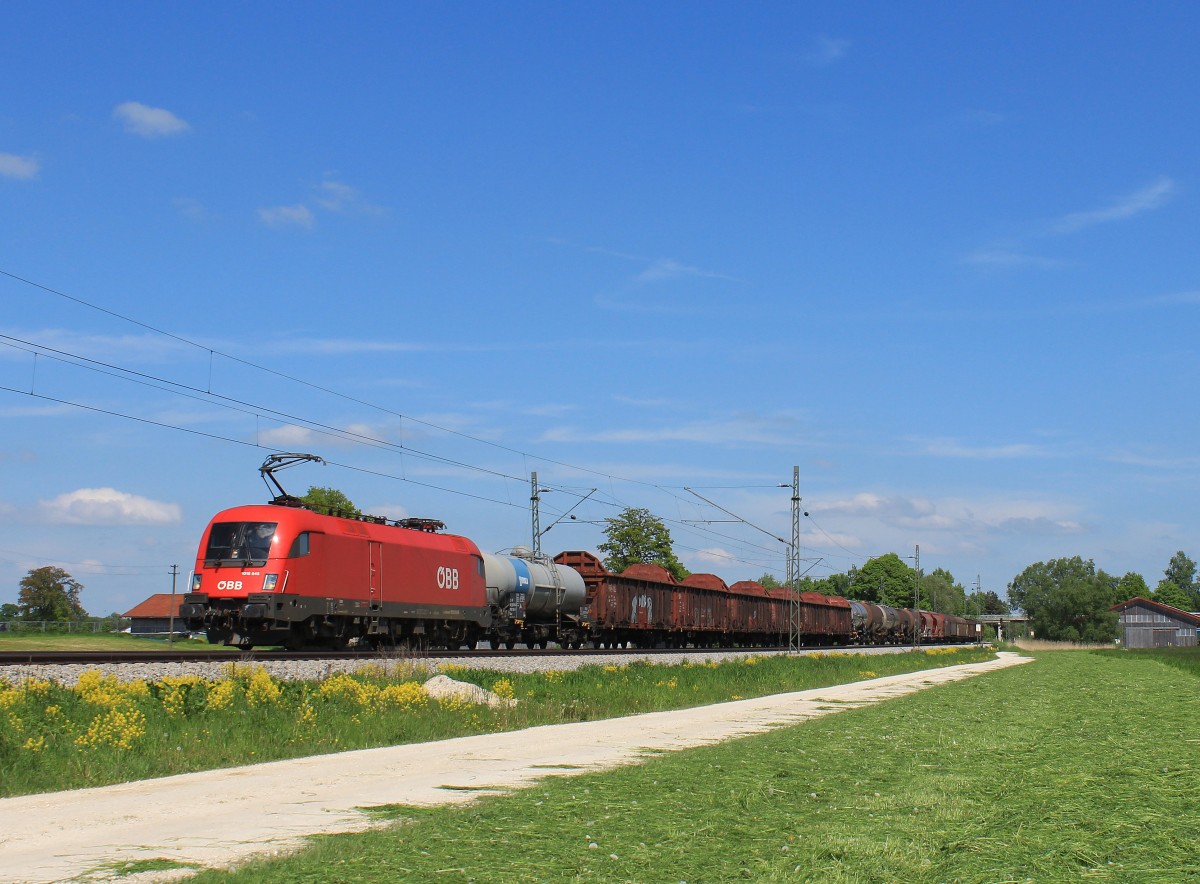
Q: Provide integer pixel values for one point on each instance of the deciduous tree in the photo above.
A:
(886, 580)
(1169, 594)
(1181, 571)
(50, 593)
(1132, 586)
(1067, 600)
(986, 603)
(330, 500)
(941, 592)
(636, 535)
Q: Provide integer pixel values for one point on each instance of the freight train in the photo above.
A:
(283, 574)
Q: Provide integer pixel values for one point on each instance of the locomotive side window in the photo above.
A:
(299, 546)
(240, 542)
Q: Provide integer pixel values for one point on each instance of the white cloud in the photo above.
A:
(149, 122)
(21, 168)
(952, 515)
(288, 436)
(288, 216)
(1012, 254)
(339, 346)
(107, 506)
(192, 209)
(143, 348)
(667, 268)
(392, 511)
(826, 50)
(1174, 298)
(1150, 197)
(713, 555)
(953, 448)
(1004, 257)
(983, 117)
(336, 196)
(735, 431)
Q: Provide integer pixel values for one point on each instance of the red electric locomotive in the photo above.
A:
(284, 575)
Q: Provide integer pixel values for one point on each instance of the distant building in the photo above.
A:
(1147, 624)
(153, 616)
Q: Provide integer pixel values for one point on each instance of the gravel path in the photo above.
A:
(219, 818)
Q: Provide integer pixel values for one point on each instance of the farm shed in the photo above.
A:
(1147, 624)
(153, 616)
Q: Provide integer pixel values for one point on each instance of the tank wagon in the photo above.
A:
(875, 624)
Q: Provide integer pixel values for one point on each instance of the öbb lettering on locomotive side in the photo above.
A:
(282, 574)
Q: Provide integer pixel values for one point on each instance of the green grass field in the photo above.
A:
(1079, 766)
(87, 641)
(101, 731)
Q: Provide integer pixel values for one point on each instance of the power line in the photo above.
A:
(209, 397)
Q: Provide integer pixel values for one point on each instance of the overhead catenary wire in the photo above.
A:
(208, 396)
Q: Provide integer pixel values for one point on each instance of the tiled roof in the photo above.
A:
(1174, 613)
(158, 605)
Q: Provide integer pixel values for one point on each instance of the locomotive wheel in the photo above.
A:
(509, 645)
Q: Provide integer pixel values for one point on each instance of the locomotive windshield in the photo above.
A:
(240, 542)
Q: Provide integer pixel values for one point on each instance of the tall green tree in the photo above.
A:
(941, 592)
(1067, 600)
(886, 580)
(1132, 586)
(834, 584)
(636, 535)
(986, 603)
(329, 500)
(50, 593)
(1169, 594)
(1181, 571)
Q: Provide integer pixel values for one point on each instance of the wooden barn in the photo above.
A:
(153, 616)
(1147, 624)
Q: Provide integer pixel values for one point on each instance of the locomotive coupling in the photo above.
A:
(194, 607)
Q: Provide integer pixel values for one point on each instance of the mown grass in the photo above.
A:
(1187, 659)
(87, 641)
(102, 731)
(1078, 766)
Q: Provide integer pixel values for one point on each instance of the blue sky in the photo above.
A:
(936, 255)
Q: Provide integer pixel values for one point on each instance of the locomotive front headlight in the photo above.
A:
(269, 582)
(195, 583)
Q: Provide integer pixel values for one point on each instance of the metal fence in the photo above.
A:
(93, 625)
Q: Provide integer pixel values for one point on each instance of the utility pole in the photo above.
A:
(171, 619)
(534, 501)
(793, 565)
(793, 553)
(917, 594)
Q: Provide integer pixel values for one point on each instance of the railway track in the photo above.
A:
(97, 658)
